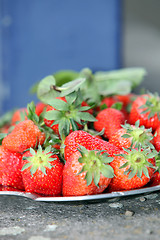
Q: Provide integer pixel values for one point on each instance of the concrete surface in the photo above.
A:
(123, 219)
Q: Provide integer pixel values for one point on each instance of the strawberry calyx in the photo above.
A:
(39, 160)
(95, 163)
(67, 114)
(152, 105)
(137, 161)
(140, 136)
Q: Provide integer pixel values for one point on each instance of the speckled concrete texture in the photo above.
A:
(123, 218)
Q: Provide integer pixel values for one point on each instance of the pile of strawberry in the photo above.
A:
(79, 140)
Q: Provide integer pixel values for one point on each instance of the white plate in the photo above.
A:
(102, 196)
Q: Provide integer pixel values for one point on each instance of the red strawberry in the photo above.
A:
(25, 135)
(155, 180)
(19, 115)
(86, 172)
(132, 135)
(126, 99)
(42, 172)
(40, 108)
(110, 120)
(108, 101)
(146, 109)
(133, 169)
(64, 115)
(90, 142)
(48, 122)
(10, 168)
(157, 139)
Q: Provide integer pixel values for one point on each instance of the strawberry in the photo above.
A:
(146, 109)
(42, 172)
(133, 168)
(86, 172)
(155, 180)
(90, 142)
(40, 108)
(67, 114)
(19, 115)
(126, 99)
(25, 135)
(48, 122)
(110, 120)
(156, 139)
(132, 135)
(10, 168)
(107, 102)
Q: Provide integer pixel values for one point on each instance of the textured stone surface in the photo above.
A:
(30, 220)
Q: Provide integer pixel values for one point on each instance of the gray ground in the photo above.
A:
(126, 218)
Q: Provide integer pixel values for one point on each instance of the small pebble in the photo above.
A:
(116, 205)
(142, 199)
(129, 213)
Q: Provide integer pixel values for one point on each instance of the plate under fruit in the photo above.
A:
(103, 196)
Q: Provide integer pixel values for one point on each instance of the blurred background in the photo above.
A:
(38, 38)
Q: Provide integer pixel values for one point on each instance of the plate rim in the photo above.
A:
(101, 196)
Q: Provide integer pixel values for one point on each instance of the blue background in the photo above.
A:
(40, 37)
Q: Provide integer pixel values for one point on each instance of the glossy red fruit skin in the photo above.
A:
(90, 142)
(136, 114)
(110, 120)
(155, 180)
(126, 99)
(10, 168)
(122, 182)
(120, 142)
(49, 184)
(76, 185)
(156, 139)
(108, 101)
(25, 135)
(39, 108)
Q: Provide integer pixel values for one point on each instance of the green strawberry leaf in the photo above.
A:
(59, 104)
(45, 90)
(70, 87)
(117, 105)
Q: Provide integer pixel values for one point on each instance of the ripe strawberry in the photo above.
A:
(86, 172)
(110, 120)
(156, 139)
(146, 109)
(10, 168)
(19, 115)
(67, 114)
(126, 99)
(107, 101)
(42, 172)
(25, 135)
(90, 142)
(40, 108)
(132, 135)
(155, 180)
(133, 168)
